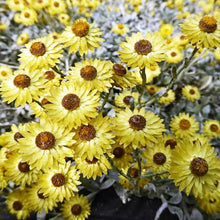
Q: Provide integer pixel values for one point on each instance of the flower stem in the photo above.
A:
(138, 159)
(143, 86)
(154, 174)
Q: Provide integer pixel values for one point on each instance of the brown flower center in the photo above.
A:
(87, 132)
(214, 127)
(151, 90)
(137, 122)
(44, 101)
(199, 166)
(134, 172)
(208, 24)
(182, 37)
(119, 152)
(24, 167)
(17, 205)
(173, 54)
(119, 69)
(212, 200)
(3, 73)
(127, 99)
(93, 161)
(58, 179)
(17, 136)
(70, 102)
(56, 4)
(88, 72)
(120, 26)
(45, 140)
(192, 91)
(40, 195)
(80, 28)
(184, 124)
(165, 95)
(26, 15)
(159, 158)
(171, 142)
(49, 75)
(38, 49)
(143, 47)
(153, 68)
(22, 81)
(76, 209)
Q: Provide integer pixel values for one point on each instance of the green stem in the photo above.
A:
(143, 86)
(138, 159)
(154, 174)
(105, 100)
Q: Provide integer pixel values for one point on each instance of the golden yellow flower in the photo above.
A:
(166, 30)
(5, 71)
(184, 125)
(81, 36)
(174, 55)
(191, 93)
(56, 7)
(76, 208)
(137, 128)
(16, 5)
(152, 89)
(22, 39)
(202, 31)
(167, 97)
(141, 51)
(120, 29)
(40, 53)
(28, 16)
(64, 19)
(211, 128)
(194, 167)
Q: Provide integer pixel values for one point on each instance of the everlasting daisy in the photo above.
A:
(64, 19)
(28, 16)
(22, 87)
(194, 167)
(152, 89)
(202, 31)
(56, 7)
(5, 71)
(211, 128)
(167, 97)
(72, 104)
(191, 93)
(137, 128)
(94, 138)
(92, 168)
(125, 99)
(37, 108)
(123, 77)
(37, 201)
(59, 183)
(46, 144)
(141, 51)
(16, 5)
(174, 55)
(76, 208)
(17, 204)
(22, 39)
(93, 74)
(81, 36)
(158, 158)
(120, 29)
(43, 52)
(184, 125)
(169, 140)
(20, 172)
(166, 30)
(151, 72)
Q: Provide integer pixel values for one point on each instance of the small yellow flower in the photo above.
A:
(191, 93)
(56, 7)
(64, 19)
(5, 71)
(211, 128)
(166, 30)
(120, 29)
(28, 16)
(174, 55)
(3, 26)
(167, 97)
(22, 39)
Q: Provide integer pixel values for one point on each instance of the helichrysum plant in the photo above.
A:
(105, 93)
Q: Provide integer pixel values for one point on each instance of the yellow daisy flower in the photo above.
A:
(94, 138)
(59, 183)
(174, 55)
(180, 41)
(166, 30)
(28, 16)
(5, 71)
(52, 78)
(17, 204)
(81, 37)
(158, 158)
(56, 7)
(202, 31)
(123, 77)
(76, 208)
(167, 97)
(22, 39)
(94, 74)
(169, 140)
(19, 171)
(137, 128)
(120, 29)
(72, 104)
(152, 89)
(211, 128)
(17, 5)
(22, 87)
(194, 167)
(151, 72)
(141, 51)
(38, 4)
(184, 126)
(64, 19)
(92, 168)
(43, 52)
(46, 144)
(125, 99)
(122, 155)
(3, 26)
(37, 201)
(191, 93)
